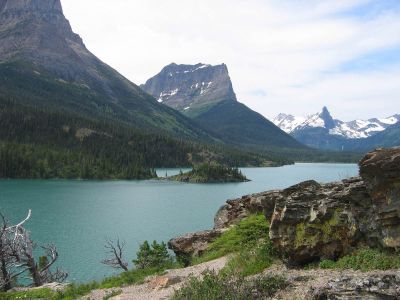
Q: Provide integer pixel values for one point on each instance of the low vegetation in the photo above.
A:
(151, 260)
(245, 235)
(229, 287)
(211, 173)
(252, 261)
(365, 259)
(248, 244)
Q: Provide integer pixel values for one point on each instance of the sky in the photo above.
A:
(291, 56)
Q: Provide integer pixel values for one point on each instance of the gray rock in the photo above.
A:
(192, 244)
(368, 287)
(190, 87)
(380, 169)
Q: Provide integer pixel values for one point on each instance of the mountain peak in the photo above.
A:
(44, 6)
(188, 87)
(37, 31)
(327, 118)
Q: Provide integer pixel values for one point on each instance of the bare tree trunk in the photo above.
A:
(117, 251)
(6, 276)
(34, 271)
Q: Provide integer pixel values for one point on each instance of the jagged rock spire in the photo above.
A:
(326, 116)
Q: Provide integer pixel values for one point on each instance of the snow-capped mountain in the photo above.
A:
(357, 129)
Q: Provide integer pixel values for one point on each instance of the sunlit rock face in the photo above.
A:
(191, 87)
(314, 221)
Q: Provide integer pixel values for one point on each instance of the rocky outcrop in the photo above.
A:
(380, 170)
(369, 286)
(236, 210)
(192, 244)
(311, 221)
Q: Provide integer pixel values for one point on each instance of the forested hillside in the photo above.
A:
(42, 143)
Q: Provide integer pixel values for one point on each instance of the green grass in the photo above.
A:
(229, 287)
(244, 235)
(35, 294)
(364, 259)
(252, 261)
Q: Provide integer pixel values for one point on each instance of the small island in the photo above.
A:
(210, 173)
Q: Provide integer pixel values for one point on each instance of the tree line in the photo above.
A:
(40, 143)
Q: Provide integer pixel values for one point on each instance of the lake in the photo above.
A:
(78, 216)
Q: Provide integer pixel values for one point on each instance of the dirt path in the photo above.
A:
(301, 282)
(158, 287)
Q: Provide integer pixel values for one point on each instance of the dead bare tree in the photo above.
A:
(20, 256)
(8, 264)
(116, 250)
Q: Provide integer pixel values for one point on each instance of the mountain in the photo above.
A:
(66, 114)
(205, 93)
(44, 63)
(191, 88)
(321, 131)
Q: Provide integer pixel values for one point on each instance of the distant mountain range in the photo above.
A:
(322, 131)
(205, 94)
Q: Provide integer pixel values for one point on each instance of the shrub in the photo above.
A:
(364, 259)
(152, 256)
(229, 287)
(245, 235)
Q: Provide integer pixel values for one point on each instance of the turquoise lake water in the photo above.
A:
(78, 216)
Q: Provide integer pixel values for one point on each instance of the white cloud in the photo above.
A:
(283, 56)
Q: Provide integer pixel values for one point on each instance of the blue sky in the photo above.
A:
(292, 56)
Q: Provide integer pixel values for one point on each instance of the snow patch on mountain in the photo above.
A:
(357, 129)
(288, 122)
(165, 95)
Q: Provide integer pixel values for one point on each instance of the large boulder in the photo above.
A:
(192, 244)
(236, 210)
(380, 170)
(313, 221)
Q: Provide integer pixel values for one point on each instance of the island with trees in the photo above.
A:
(210, 173)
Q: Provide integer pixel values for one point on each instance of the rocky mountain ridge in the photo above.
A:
(356, 129)
(190, 87)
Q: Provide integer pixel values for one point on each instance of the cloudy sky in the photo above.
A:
(292, 56)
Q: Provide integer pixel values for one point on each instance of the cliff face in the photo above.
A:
(190, 87)
(312, 221)
(381, 171)
(37, 31)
